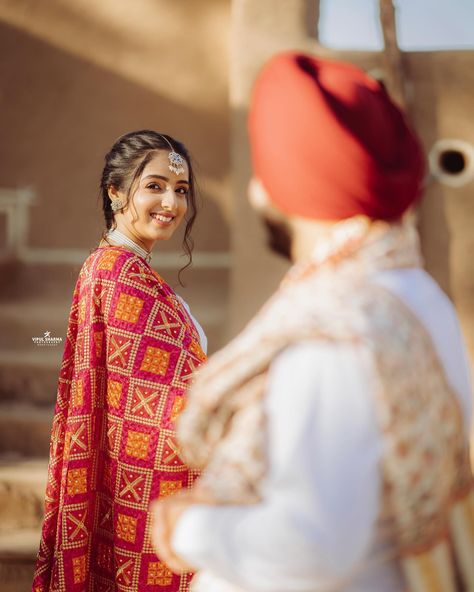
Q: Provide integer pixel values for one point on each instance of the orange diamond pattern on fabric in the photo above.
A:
(169, 487)
(137, 444)
(108, 259)
(67, 445)
(159, 574)
(128, 308)
(111, 429)
(127, 528)
(82, 310)
(79, 569)
(114, 393)
(77, 393)
(77, 481)
(156, 360)
(178, 406)
(196, 349)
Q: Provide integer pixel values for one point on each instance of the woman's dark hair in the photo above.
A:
(124, 164)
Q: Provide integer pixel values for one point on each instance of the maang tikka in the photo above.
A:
(176, 160)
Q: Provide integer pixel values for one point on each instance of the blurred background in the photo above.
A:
(76, 74)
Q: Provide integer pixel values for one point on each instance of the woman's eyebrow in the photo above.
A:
(153, 176)
(163, 178)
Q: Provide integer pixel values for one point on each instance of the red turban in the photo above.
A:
(328, 143)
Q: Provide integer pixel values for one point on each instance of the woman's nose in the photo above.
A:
(169, 200)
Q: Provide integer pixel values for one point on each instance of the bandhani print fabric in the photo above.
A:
(130, 354)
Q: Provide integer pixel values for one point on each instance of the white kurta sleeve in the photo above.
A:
(197, 324)
(316, 520)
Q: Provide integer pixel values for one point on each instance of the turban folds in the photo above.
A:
(328, 143)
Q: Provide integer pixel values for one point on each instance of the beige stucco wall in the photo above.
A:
(75, 74)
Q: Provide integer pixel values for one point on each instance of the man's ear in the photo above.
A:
(257, 194)
(260, 201)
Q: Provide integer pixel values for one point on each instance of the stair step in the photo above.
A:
(32, 281)
(30, 375)
(22, 490)
(20, 546)
(20, 322)
(18, 552)
(25, 430)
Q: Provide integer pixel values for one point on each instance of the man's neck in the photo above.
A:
(306, 233)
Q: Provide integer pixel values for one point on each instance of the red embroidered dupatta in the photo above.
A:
(130, 353)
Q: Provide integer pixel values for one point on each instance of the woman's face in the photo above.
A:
(157, 206)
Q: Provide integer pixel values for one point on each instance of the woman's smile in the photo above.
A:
(162, 219)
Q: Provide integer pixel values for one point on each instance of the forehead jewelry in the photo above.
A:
(176, 160)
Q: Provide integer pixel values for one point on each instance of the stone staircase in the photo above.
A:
(22, 485)
(35, 299)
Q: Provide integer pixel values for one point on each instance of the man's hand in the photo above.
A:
(165, 515)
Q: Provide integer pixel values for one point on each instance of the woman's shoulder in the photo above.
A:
(111, 261)
(119, 266)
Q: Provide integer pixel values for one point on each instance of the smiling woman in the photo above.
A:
(131, 348)
(157, 206)
(147, 189)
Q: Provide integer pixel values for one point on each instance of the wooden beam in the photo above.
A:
(394, 74)
(312, 18)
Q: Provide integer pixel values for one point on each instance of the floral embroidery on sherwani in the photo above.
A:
(130, 353)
